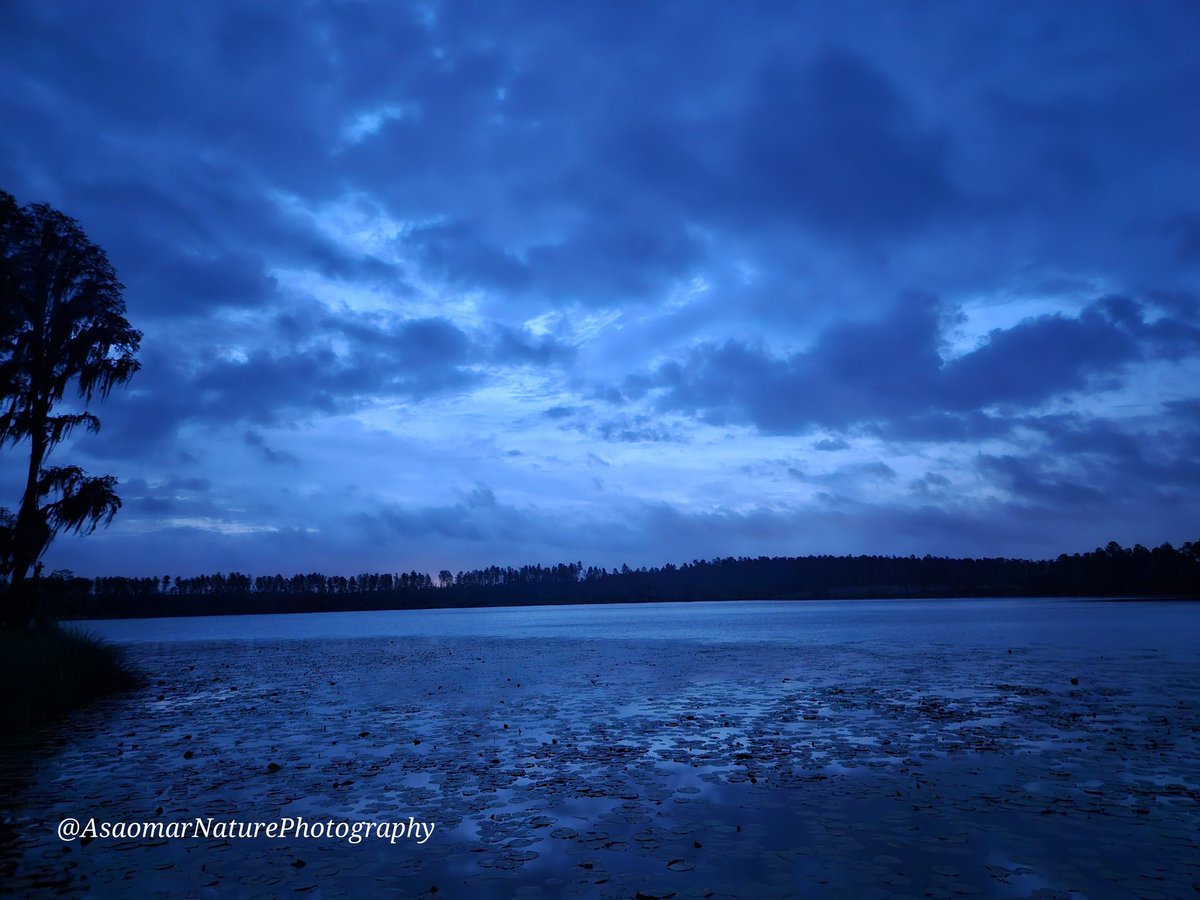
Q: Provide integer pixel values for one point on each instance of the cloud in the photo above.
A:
(1042, 357)
(456, 253)
(309, 365)
(890, 374)
(830, 445)
(521, 348)
(177, 497)
(831, 141)
(1025, 479)
(497, 239)
(271, 455)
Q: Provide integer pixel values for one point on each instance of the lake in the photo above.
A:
(1063, 623)
(1007, 748)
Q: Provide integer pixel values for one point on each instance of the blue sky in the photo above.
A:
(445, 285)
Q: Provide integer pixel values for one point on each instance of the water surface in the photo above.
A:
(1019, 748)
(1064, 623)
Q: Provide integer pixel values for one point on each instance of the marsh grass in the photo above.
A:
(46, 671)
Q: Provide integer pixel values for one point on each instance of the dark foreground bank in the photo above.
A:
(47, 671)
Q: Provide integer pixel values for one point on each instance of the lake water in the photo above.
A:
(1004, 748)
(1065, 623)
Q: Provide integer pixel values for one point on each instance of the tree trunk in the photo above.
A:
(29, 538)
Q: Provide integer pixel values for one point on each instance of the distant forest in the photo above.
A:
(1111, 571)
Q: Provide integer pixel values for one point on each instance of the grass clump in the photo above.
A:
(46, 671)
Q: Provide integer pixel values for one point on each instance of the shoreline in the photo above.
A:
(950, 598)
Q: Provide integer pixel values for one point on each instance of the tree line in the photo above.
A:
(1110, 571)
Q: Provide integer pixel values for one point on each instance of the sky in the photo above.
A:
(446, 285)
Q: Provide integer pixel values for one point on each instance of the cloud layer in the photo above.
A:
(454, 285)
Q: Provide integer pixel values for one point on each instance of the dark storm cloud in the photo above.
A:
(574, 159)
(308, 362)
(625, 428)
(143, 422)
(613, 258)
(826, 142)
(855, 372)
(511, 346)
(458, 254)
(414, 359)
(185, 135)
(296, 374)
(1024, 478)
(1184, 229)
(891, 374)
(196, 285)
(191, 496)
(203, 241)
(618, 259)
(269, 454)
(632, 429)
(958, 427)
(478, 169)
(1042, 357)
(833, 142)
(1159, 458)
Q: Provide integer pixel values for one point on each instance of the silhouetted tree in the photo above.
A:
(62, 324)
